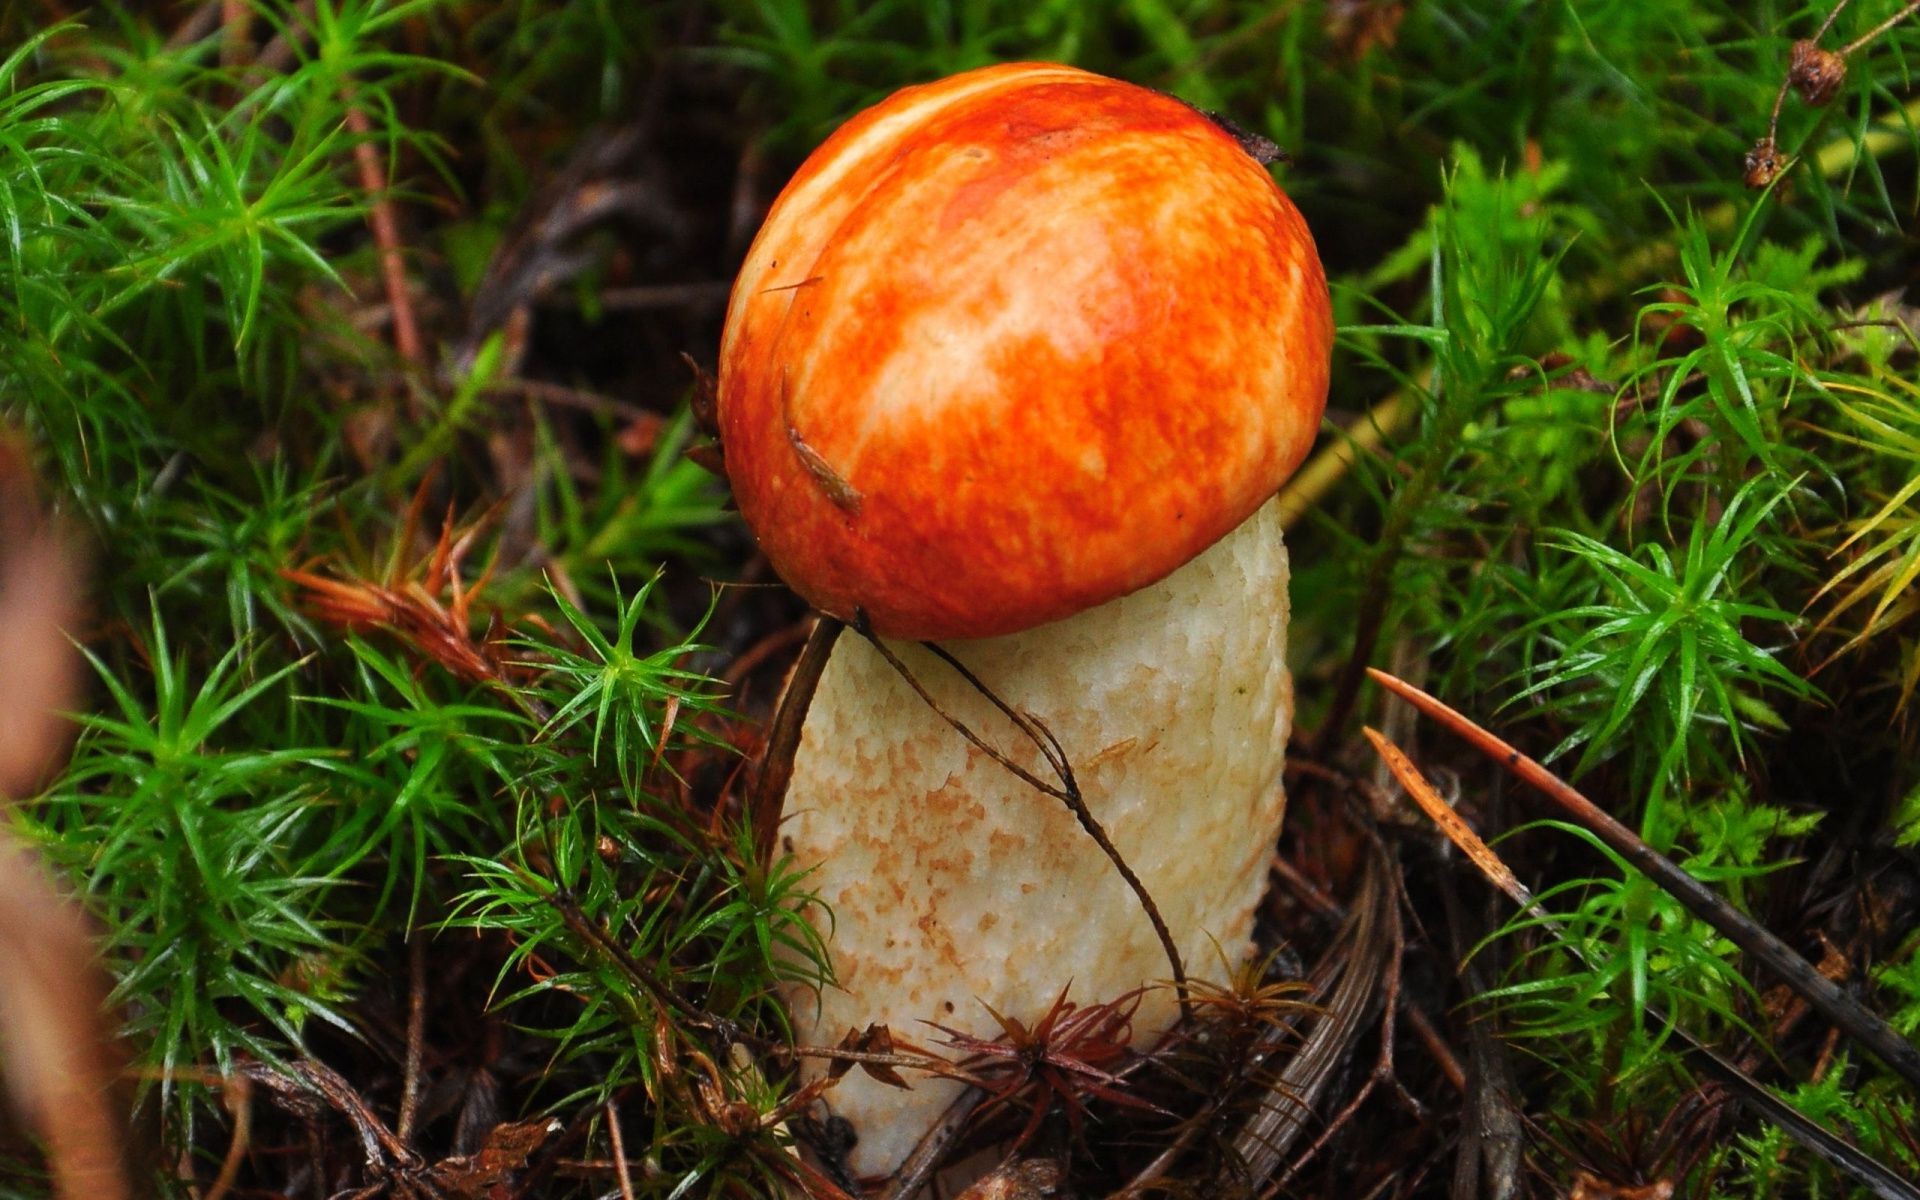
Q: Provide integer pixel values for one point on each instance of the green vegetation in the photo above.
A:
(410, 677)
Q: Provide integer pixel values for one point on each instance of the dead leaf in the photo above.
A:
(1027, 1179)
(507, 1149)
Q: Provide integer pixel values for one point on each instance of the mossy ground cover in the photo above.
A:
(428, 667)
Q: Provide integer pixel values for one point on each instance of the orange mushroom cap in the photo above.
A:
(1015, 343)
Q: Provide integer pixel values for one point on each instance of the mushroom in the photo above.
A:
(1015, 365)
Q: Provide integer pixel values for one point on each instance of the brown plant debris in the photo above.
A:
(426, 603)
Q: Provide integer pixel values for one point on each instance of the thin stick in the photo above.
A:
(767, 795)
(386, 234)
(1487, 1164)
(1847, 50)
(1306, 890)
(61, 1058)
(1831, 18)
(933, 1146)
(377, 1142)
(1814, 1137)
(1067, 792)
(1029, 725)
(416, 1033)
(1786, 81)
(666, 295)
(567, 397)
(1190, 1132)
(1864, 1027)
(619, 1151)
(663, 994)
(1423, 1027)
(279, 52)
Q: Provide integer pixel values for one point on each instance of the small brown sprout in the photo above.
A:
(1763, 163)
(1817, 73)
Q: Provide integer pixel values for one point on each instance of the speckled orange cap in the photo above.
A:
(1013, 344)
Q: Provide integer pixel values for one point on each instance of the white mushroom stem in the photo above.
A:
(952, 882)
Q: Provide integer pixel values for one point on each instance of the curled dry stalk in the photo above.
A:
(61, 1066)
(1391, 950)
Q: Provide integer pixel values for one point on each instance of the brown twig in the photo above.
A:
(1365, 789)
(663, 994)
(619, 1151)
(541, 252)
(567, 397)
(932, 1064)
(1423, 1027)
(60, 1056)
(1190, 1132)
(1847, 50)
(416, 1033)
(1306, 890)
(1786, 81)
(236, 29)
(279, 52)
(767, 795)
(1848, 1158)
(386, 233)
(203, 20)
(771, 646)
(1865, 1027)
(933, 1147)
(1375, 590)
(61, 1060)
(376, 1139)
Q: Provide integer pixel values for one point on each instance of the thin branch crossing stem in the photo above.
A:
(1067, 791)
